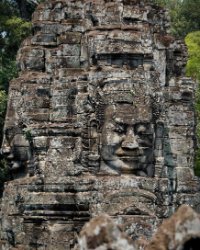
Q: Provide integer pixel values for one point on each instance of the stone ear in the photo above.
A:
(94, 137)
(94, 144)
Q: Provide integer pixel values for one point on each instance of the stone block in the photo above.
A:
(64, 50)
(40, 142)
(32, 63)
(70, 38)
(30, 52)
(44, 39)
(100, 119)
(62, 62)
(184, 174)
(137, 14)
(41, 116)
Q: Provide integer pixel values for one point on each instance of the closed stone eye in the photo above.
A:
(119, 129)
(145, 143)
(141, 129)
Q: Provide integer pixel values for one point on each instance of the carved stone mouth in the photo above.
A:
(129, 154)
(130, 158)
(136, 172)
(134, 168)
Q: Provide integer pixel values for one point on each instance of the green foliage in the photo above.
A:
(185, 15)
(193, 69)
(7, 72)
(193, 65)
(190, 10)
(16, 30)
(178, 21)
(3, 103)
(13, 30)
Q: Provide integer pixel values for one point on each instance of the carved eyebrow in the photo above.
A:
(147, 129)
(126, 120)
(141, 128)
(120, 123)
(117, 119)
(142, 123)
(119, 128)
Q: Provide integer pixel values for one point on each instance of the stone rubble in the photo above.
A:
(180, 232)
(102, 233)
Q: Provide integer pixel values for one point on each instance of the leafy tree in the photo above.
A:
(177, 19)
(193, 65)
(193, 69)
(190, 10)
(13, 29)
(185, 15)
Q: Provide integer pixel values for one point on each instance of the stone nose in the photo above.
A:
(130, 140)
(6, 151)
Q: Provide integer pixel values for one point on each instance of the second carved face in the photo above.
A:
(127, 141)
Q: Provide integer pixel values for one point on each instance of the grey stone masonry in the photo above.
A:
(100, 120)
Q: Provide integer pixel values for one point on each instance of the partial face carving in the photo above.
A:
(127, 141)
(17, 151)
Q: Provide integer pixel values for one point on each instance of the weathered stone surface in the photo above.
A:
(102, 233)
(180, 231)
(100, 120)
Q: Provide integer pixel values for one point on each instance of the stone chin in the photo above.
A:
(127, 166)
(129, 163)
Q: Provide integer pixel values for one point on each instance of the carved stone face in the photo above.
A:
(17, 151)
(127, 140)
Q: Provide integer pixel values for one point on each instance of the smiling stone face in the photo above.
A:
(128, 140)
(17, 150)
(100, 120)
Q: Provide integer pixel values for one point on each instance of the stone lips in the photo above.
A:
(85, 60)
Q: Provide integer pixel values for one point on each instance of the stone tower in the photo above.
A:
(100, 120)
